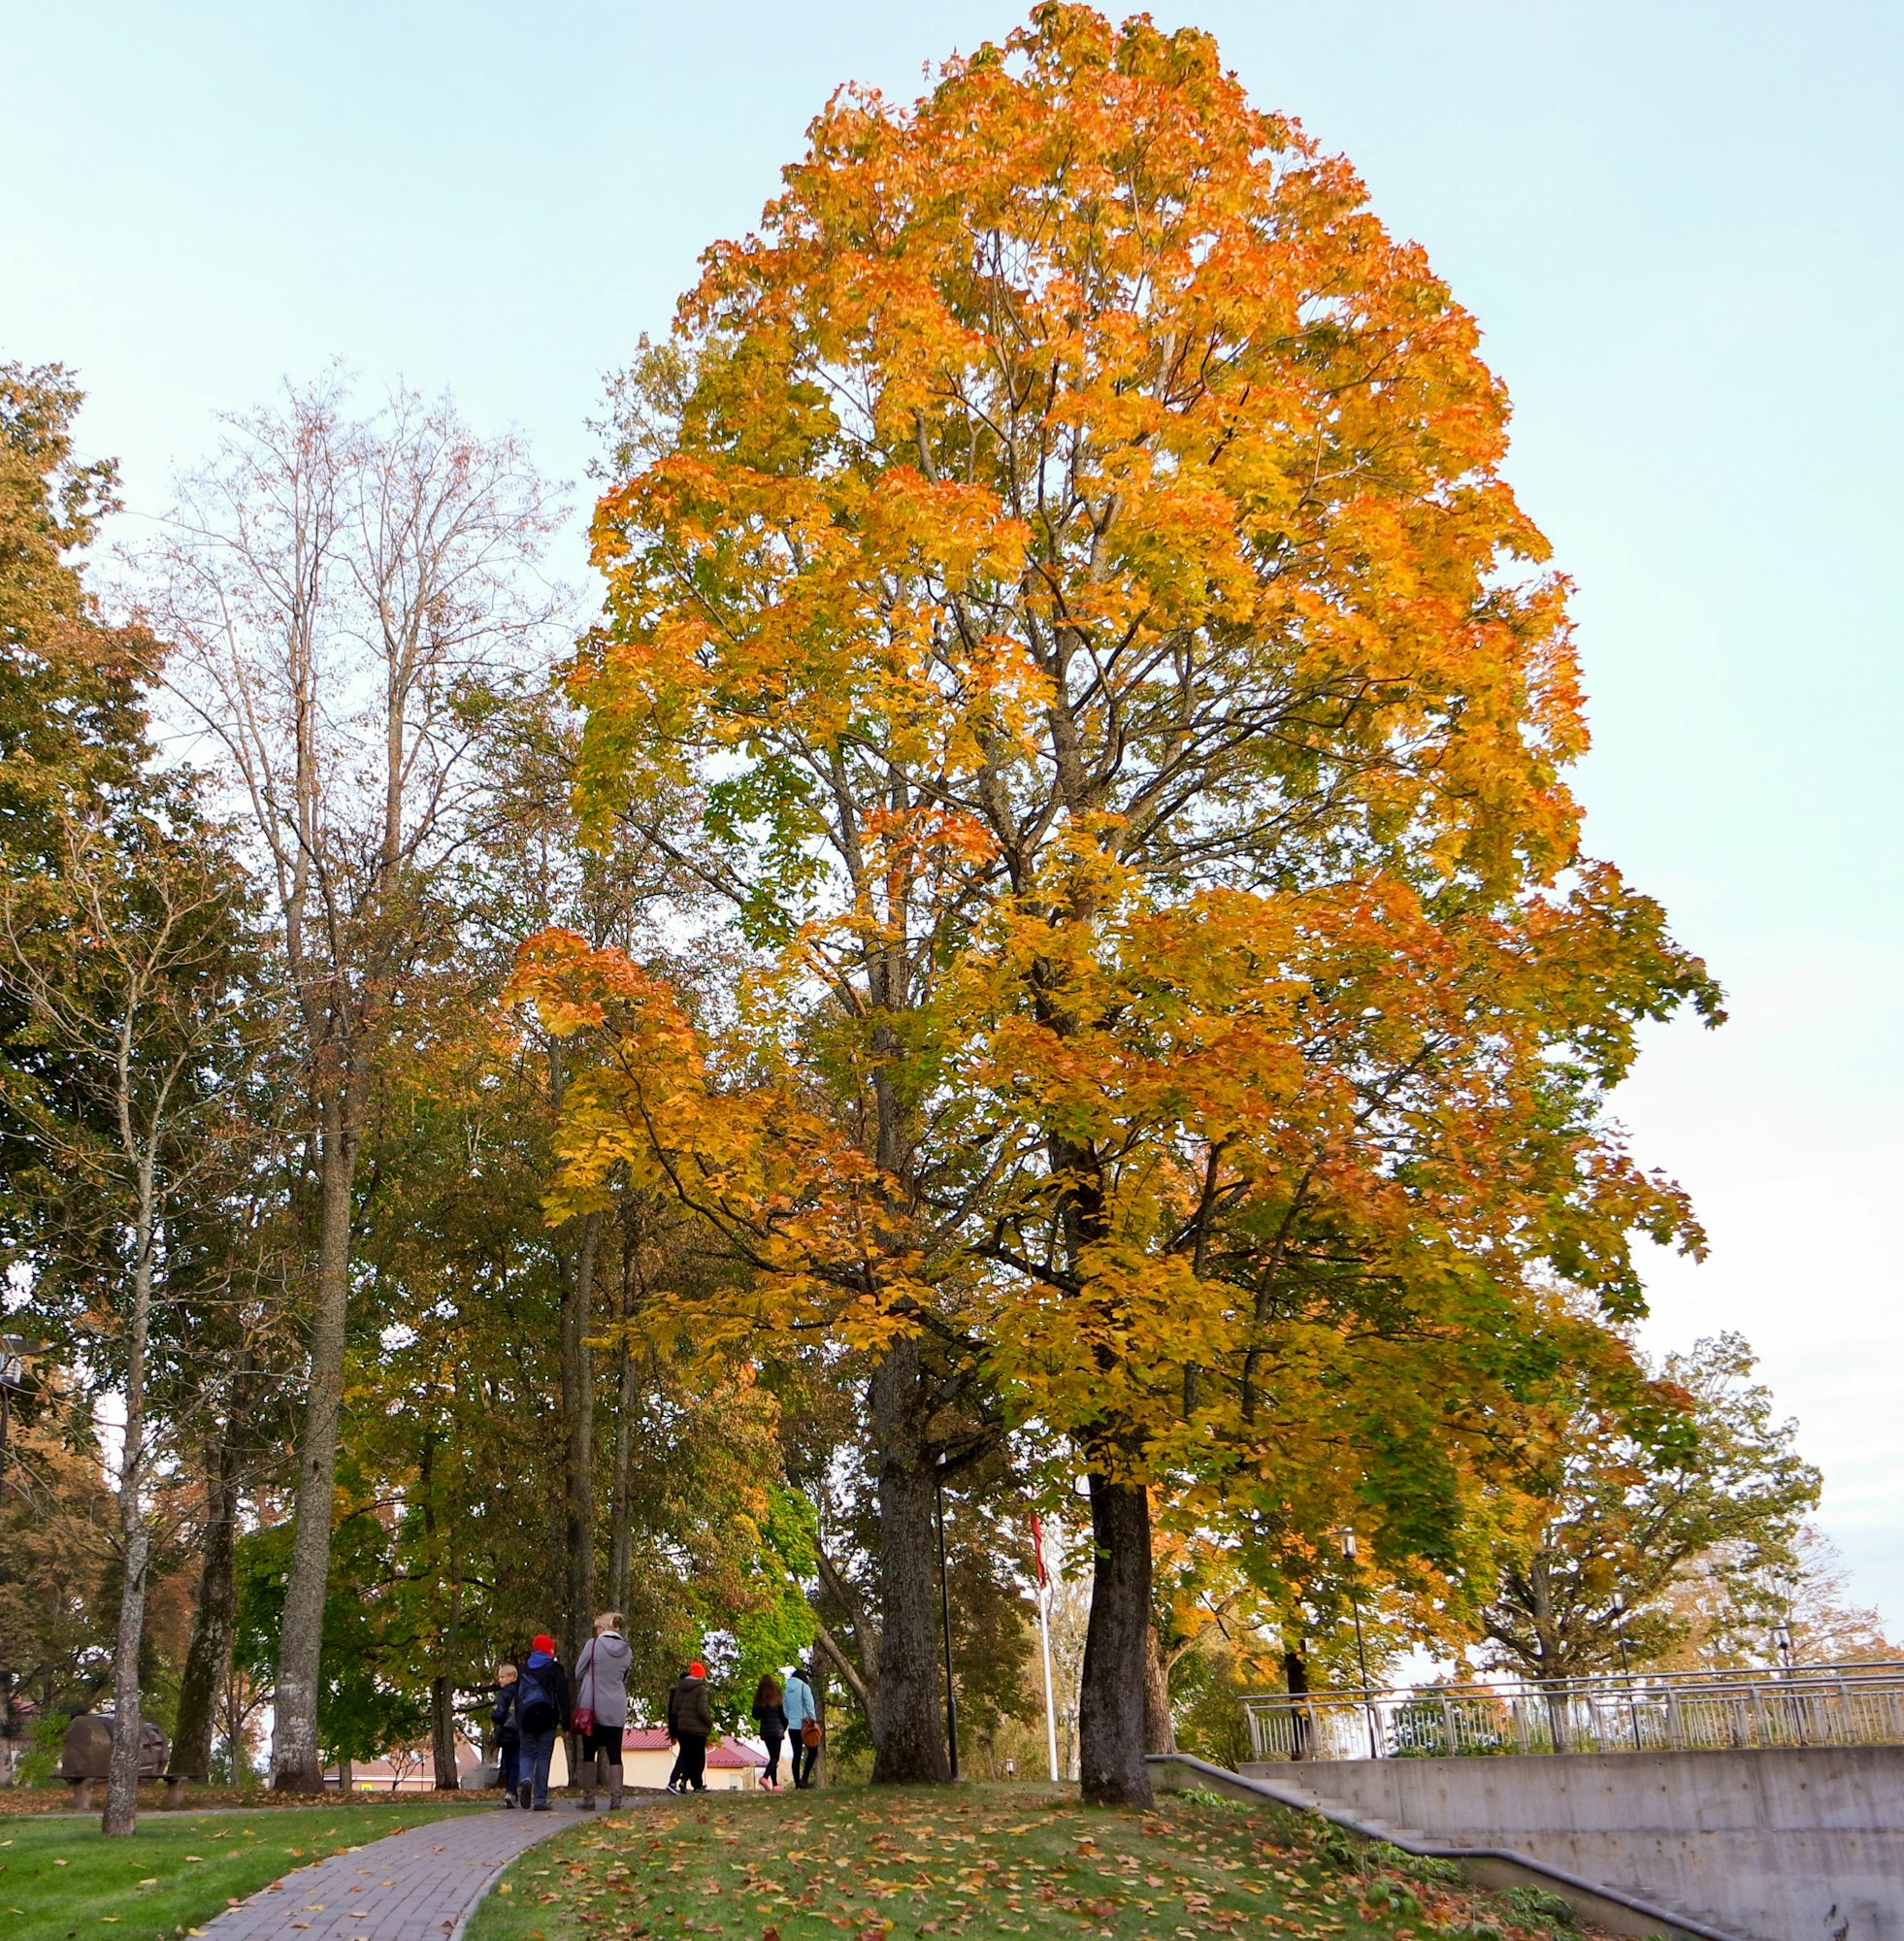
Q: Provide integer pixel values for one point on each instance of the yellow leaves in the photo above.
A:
(1077, 597)
(808, 1209)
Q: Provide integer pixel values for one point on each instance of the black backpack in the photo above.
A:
(535, 1704)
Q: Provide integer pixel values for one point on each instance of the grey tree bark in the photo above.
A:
(1296, 1675)
(1110, 1717)
(442, 1732)
(627, 1402)
(579, 1439)
(208, 1657)
(297, 1759)
(1160, 1728)
(135, 1535)
(908, 1737)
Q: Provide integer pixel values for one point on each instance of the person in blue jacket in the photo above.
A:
(802, 1710)
(541, 1715)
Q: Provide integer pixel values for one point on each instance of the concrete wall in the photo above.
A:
(1801, 1845)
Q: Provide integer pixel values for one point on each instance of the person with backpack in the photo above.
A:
(602, 1708)
(771, 1716)
(690, 1722)
(508, 1737)
(804, 1724)
(542, 1711)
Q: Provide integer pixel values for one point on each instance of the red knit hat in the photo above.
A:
(542, 1641)
(697, 1669)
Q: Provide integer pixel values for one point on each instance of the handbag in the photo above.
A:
(582, 1717)
(809, 1732)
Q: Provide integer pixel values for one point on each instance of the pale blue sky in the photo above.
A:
(1679, 226)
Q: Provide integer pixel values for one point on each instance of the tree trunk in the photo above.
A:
(579, 1425)
(1111, 1711)
(622, 1523)
(296, 1764)
(442, 1732)
(135, 1542)
(208, 1659)
(908, 1742)
(1553, 1666)
(1296, 1675)
(235, 1711)
(1160, 1728)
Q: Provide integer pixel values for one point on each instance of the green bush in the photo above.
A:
(38, 1766)
(1538, 1903)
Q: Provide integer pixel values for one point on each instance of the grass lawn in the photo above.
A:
(982, 1861)
(62, 1880)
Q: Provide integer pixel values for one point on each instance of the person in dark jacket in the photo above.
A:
(690, 1722)
(770, 1717)
(509, 1738)
(541, 1715)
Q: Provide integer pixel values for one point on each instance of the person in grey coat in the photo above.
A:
(602, 1688)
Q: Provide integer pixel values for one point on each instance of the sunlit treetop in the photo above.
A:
(1078, 445)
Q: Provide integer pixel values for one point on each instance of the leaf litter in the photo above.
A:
(983, 1860)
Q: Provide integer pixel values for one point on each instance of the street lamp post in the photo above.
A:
(1625, 1672)
(1781, 1644)
(13, 1350)
(1346, 1538)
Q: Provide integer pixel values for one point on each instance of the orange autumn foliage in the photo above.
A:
(1128, 711)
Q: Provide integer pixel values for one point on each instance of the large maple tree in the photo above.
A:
(1069, 567)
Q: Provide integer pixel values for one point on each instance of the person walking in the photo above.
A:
(804, 1724)
(542, 1712)
(602, 1708)
(509, 1737)
(690, 1720)
(770, 1717)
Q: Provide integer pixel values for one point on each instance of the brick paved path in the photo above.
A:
(413, 1886)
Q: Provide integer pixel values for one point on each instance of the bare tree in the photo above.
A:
(125, 957)
(348, 596)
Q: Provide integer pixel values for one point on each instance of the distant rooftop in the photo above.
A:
(721, 1752)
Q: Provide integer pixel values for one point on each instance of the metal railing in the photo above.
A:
(1807, 1705)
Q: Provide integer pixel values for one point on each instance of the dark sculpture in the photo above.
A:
(86, 1754)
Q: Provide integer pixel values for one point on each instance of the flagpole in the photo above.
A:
(1045, 1639)
(1050, 1716)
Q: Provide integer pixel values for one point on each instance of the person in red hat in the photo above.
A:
(690, 1720)
(541, 1713)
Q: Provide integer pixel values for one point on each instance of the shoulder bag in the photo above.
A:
(582, 1717)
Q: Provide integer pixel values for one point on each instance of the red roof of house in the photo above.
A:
(721, 1752)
